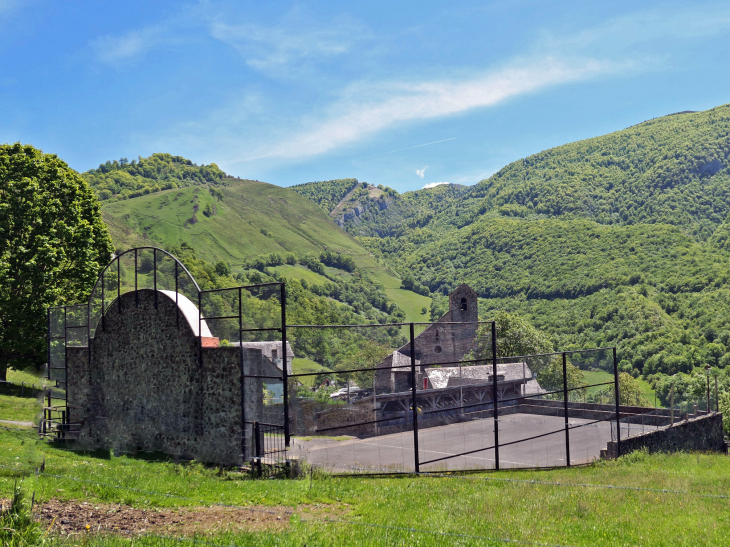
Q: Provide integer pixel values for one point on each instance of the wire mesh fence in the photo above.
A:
(367, 399)
(374, 398)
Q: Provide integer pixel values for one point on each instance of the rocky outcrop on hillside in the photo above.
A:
(357, 202)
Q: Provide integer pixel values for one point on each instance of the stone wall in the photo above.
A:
(703, 434)
(145, 387)
(592, 411)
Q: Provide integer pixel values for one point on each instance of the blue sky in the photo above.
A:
(397, 93)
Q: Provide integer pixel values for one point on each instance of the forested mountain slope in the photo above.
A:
(620, 239)
(406, 212)
(366, 210)
(124, 179)
(671, 170)
(327, 194)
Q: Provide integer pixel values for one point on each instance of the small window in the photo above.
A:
(273, 355)
(438, 349)
(463, 304)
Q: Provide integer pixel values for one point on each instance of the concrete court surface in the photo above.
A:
(394, 452)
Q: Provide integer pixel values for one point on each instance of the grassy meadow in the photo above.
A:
(599, 376)
(302, 366)
(18, 403)
(679, 499)
(252, 219)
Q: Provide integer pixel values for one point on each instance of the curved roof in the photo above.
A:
(190, 312)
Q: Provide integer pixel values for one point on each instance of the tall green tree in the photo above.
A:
(629, 388)
(550, 378)
(516, 337)
(53, 244)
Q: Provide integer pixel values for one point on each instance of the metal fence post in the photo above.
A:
(200, 329)
(243, 384)
(65, 361)
(119, 286)
(416, 462)
(565, 408)
(177, 307)
(48, 335)
(618, 401)
(154, 273)
(285, 372)
(103, 319)
(495, 415)
(258, 445)
(136, 294)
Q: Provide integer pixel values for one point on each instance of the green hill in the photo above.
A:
(239, 220)
(671, 170)
(327, 194)
(405, 212)
(244, 219)
(620, 239)
(124, 179)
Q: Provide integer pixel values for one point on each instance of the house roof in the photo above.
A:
(267, 350)
(401, 362)
(439, 377)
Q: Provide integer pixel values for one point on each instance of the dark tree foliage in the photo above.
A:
(337, 260)
(405, 212)
(53, 244)
(326, 194)
(123, 179)
(619, 240)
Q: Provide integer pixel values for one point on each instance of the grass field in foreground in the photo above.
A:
(20, 404)
(659, 500)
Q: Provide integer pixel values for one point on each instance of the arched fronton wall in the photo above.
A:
(139, 268)
(144, 385)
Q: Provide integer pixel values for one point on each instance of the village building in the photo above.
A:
(451, 375)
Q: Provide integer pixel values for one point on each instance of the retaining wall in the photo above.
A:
(703, 434)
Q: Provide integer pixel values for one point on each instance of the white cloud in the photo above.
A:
(643, 26)
(421, 172)
(269, 47)
(434, 185)
(359, 115)
(292, 43)
(115, 49)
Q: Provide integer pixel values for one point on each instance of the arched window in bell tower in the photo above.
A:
(463, 304)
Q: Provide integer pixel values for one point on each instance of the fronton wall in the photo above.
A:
(144, 387)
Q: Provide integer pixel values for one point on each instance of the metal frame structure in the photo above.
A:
(56, 427)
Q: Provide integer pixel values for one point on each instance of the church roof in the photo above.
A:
(478, 374)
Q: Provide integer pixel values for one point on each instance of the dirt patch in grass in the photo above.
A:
(73, 517)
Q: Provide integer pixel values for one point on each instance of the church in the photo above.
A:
(449, 378)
